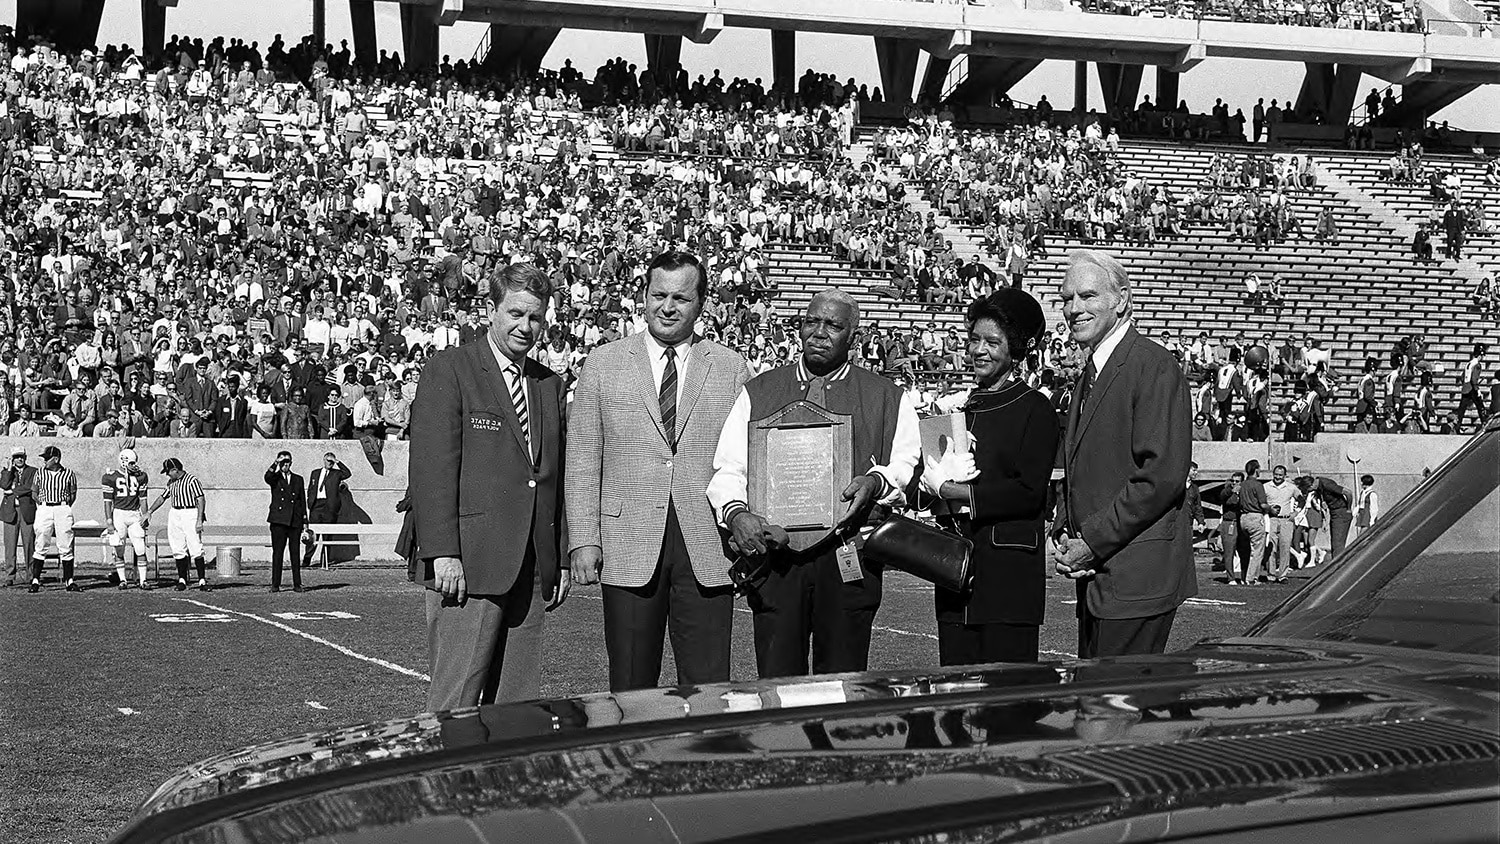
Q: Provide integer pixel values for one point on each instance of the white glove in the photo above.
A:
(951, 465)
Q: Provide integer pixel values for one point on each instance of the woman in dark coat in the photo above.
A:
(997, 496)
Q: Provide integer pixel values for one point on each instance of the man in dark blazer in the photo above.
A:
(201, 396)
(287, 517)
(232, 412)
(324, 495)
(487, 491)
(1126, 535)
(17, 509)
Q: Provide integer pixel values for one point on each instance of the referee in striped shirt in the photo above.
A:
(56, 490)
(184, 521)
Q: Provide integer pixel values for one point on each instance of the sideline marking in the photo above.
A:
(1199, 602)
(311, 638)
(314, 615)
(125, 710)
(315, 705)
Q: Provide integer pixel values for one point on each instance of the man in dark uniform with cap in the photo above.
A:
(808, 594)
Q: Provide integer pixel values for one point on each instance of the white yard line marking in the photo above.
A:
(311, 638)
(125, 710)
(1215, 602)
(315, 705)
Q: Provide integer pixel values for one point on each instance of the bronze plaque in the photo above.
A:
(799, 477)
(797, 468)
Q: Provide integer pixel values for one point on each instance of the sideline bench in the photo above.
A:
(325, 535)
(254, 536)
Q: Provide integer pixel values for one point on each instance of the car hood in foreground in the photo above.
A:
(1222, 736)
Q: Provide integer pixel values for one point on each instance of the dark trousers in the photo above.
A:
(318, 514)
(1470, 397)
(1229, 538)
(977, 644)
(1338, 531)
(802, 601)
(281, 537)
(1121, 636)
(489, 648)
(23, 531)
(672, 602)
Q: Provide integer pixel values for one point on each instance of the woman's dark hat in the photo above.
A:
(1021, 310)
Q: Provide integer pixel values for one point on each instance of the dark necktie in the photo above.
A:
(1086, 383)
(518, 398)
(668, 396)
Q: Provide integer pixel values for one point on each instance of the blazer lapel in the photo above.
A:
(692, 386)
(489, 368)
(645, 382)
(1105, 379)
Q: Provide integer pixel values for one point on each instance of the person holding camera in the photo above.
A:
(287, 518)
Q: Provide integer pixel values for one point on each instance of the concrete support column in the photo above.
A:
(69, 24)
(1330, 89)
(991, 76)
(419, 35)
(784, 59)
(897, 58)
(1081, 88)
(1121, 84)
(320, 22)
(1421, 100)
(153, 28)
(362, 17)
(518, 50)
(934, 77)
(1167, 88)
(663, 57)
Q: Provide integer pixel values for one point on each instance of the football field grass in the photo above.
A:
(103, 694)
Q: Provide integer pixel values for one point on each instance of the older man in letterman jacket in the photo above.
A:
(807, 594)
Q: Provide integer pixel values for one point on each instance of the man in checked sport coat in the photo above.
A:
(1126, 533)
(642, 432)
(486, 492)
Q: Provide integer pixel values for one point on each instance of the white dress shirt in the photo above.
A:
(730, 485)
(1106, 347)
(510, 370)
(656, 351)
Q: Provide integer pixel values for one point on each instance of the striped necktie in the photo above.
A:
(518, 399)
(668, 396)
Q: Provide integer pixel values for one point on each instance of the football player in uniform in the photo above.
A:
(124, 493)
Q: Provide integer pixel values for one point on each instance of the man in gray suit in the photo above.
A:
(1126, 533)
(641, 436)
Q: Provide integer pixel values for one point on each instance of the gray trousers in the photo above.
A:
(1253, 526)
(18, 530)
(487, 649)
(1281, 534)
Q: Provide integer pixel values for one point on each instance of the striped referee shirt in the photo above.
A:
(185, 492)
(56, 486)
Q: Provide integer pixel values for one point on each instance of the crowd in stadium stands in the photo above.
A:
(1376, 15)
(224, 242)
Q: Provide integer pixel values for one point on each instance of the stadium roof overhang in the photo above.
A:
(1002, 28)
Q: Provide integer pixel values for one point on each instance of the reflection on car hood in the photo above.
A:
(1005, 752)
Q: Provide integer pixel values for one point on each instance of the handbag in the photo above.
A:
(930, 553)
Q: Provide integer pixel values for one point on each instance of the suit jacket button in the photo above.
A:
(531, 484)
